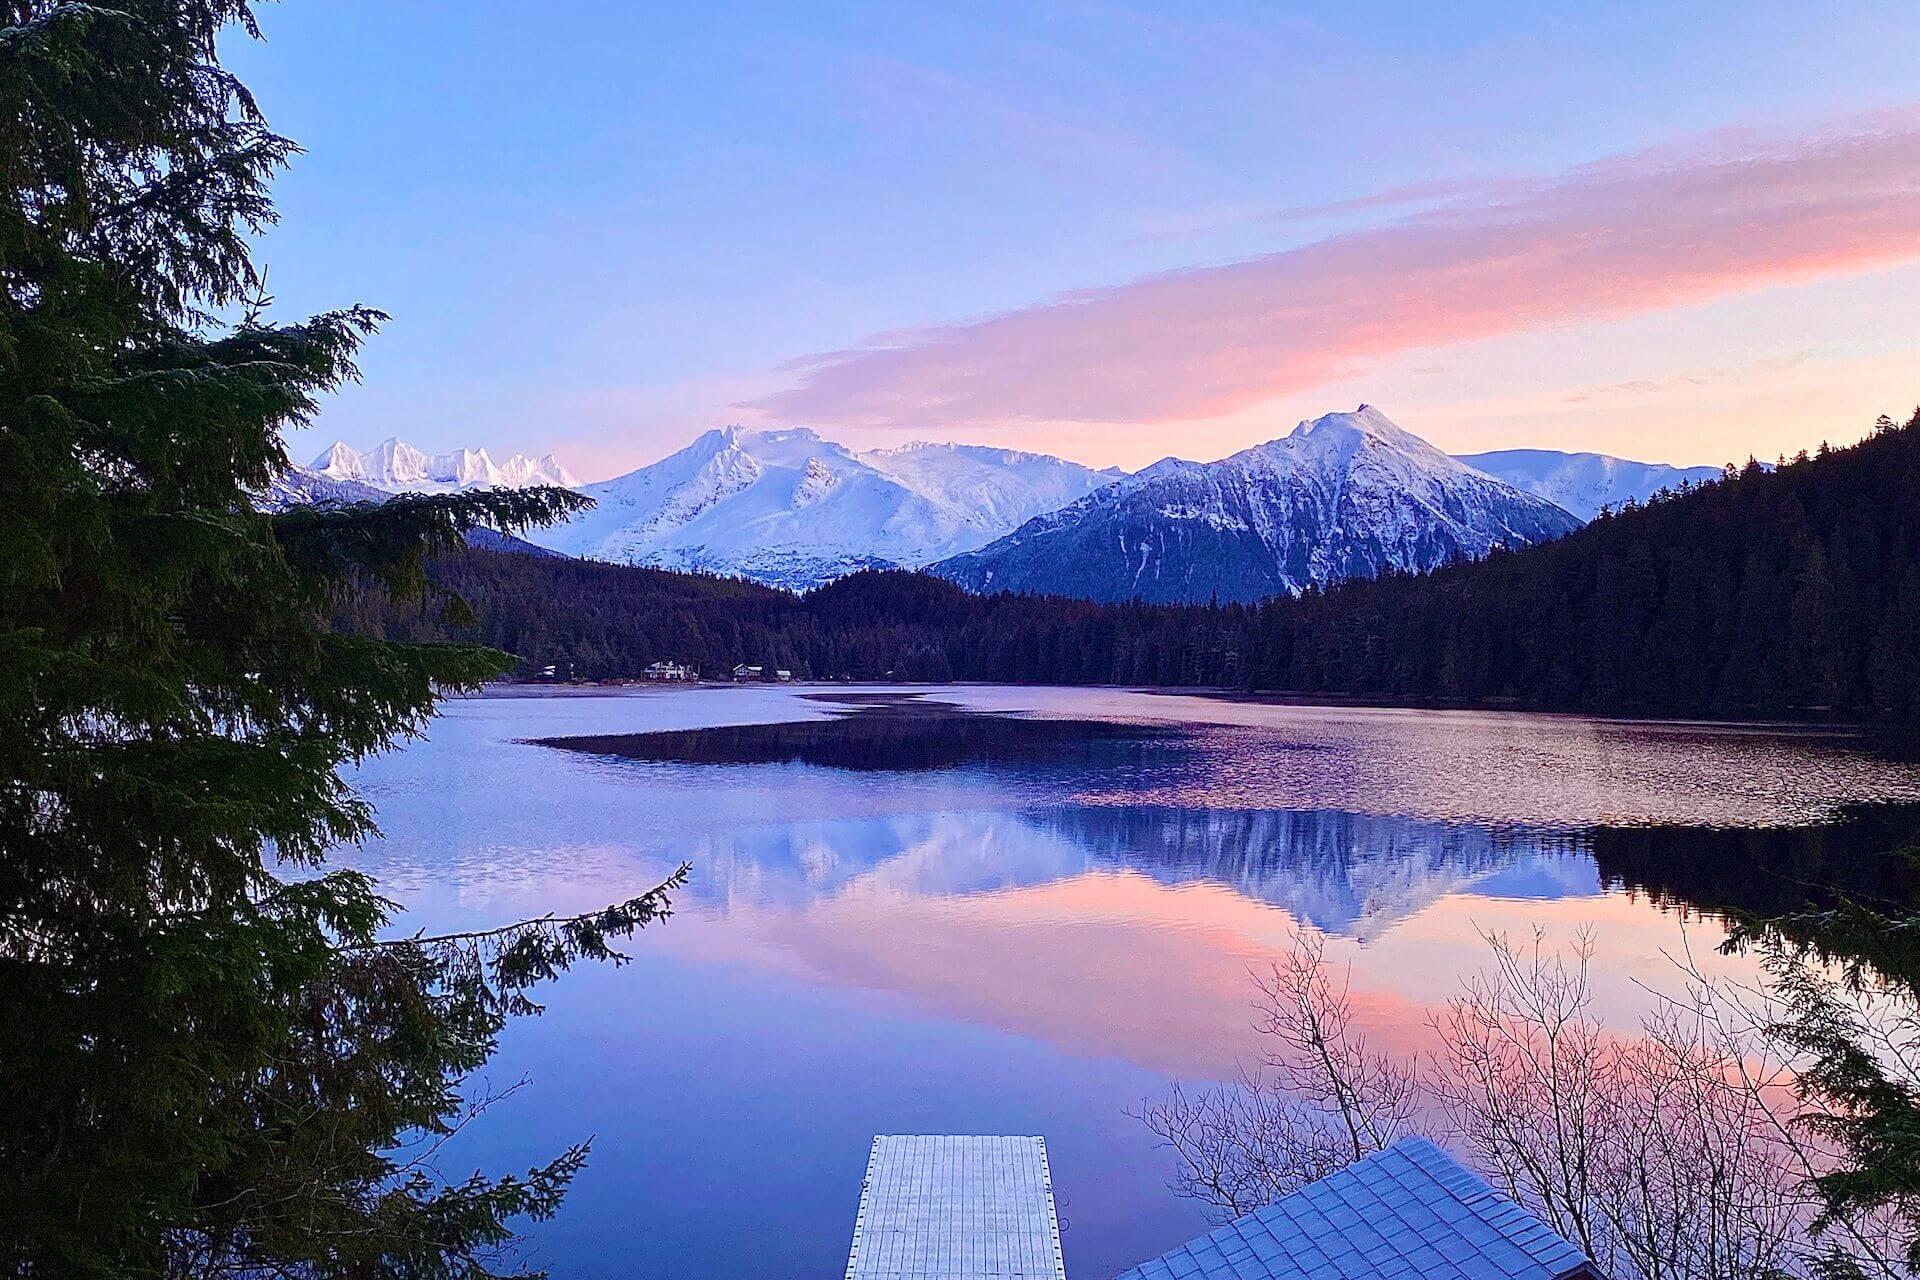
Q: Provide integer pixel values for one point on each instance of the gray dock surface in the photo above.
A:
(946, 1207)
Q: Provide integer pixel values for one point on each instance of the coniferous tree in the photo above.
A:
(211, 1060)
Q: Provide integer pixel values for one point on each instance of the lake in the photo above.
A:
(1023, 910)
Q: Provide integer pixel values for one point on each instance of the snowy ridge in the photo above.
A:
(300, 486)
(395, 466)
(789, 508)
(1345, 495)
(1585, 482)
(1354, 875)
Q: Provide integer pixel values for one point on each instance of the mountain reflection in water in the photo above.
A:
(1347, 872)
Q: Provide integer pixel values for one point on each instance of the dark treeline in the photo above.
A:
(1793, 591)
(599, 622)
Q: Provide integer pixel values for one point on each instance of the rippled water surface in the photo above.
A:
(1023, 910)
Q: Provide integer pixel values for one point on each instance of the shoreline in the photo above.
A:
(1330, 701)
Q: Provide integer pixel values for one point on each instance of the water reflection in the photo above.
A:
(1022, 910)
(1349, 874)
(889, 733)
(1109, 747)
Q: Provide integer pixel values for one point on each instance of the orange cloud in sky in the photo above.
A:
(1641, 232)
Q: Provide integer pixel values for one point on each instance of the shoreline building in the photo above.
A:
(1411, 1211)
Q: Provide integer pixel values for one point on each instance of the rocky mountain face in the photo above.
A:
(1345, 495)
(791, 509)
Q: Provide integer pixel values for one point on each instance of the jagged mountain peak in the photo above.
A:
(1365, 429)
(394, 466)
(1365, 421)
(1343, 495)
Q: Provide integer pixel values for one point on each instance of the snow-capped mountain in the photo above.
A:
(398, 467)
(1346, 495)
(300, 486)
(791, 509)
(1584, 482)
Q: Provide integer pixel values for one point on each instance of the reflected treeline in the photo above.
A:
(1767, 870)
(888, 733)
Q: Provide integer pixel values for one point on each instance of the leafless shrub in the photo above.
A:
(1316, 1053)
(1657, 1153)
(1240, 1146)
(1670, 1154)
(1323, 1098)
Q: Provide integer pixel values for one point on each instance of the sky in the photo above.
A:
(1113, 232)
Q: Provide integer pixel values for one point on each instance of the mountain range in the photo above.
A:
(791, 509)
(395, 466)
(1344, 495)
(1347, 495)
(300, 486)
(1582, 483)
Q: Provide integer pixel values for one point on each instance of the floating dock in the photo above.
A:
(947, 1207)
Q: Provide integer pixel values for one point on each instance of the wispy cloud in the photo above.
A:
(1640, 388)
(1636, 233)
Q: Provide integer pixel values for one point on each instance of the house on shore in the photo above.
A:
(743, 672)
(671, 671)
(1411, 1212)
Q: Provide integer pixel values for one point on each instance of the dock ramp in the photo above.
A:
(951, 1207)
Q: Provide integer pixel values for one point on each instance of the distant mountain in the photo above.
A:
(1348, 495)
(397, 467)
(1584, 482)
(793, 510)
(300, 486)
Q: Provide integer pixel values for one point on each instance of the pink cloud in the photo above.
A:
(1654, 229)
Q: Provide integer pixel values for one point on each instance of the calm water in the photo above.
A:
(905, 919)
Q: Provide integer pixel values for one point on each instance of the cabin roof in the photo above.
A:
(1409, 1211)
(956, 1208)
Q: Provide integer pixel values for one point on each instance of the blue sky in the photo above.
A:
(600, 227)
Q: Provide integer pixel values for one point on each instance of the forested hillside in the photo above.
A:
(1771, 592)
(601, 621)
(1786, 592)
